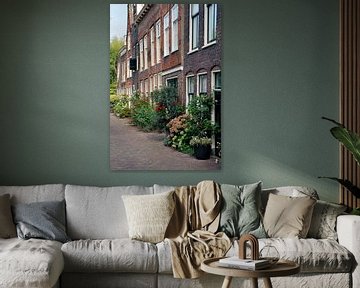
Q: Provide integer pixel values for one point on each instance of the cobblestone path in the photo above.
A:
(131, 149)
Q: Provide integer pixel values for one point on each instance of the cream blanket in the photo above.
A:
(191, 231)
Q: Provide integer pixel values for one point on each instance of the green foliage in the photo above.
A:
(142, 113)
(114, 99)
(351, 141)
(115, 45)
(200, 108)
(166, 105)
(195, 125)
(119, 105)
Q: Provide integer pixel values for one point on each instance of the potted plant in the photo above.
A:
(202, 147)
(351, 141)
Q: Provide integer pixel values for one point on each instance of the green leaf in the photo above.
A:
(348, 138)
(347, 184)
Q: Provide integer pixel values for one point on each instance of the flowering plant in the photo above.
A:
(196, 140)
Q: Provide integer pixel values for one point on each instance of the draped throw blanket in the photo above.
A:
(191, 232)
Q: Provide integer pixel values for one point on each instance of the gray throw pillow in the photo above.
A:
(323, 222)
(44, 220)
(240, 213)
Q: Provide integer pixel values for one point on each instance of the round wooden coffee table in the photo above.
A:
(281, 268)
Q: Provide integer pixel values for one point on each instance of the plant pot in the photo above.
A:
(202, 152)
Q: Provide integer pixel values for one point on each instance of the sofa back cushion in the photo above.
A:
(98, 212)
(36, 193)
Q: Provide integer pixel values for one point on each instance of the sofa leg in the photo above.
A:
(227, 282)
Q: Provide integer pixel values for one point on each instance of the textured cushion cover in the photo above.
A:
(116, 255)
(98, 212)
(323, 222)
(7, 226)
(149, 215)
(32, 263)
(288, 216)
(240, 210)
(45, 220)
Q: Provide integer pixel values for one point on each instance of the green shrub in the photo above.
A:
(166, 105)
(114, 99)
(119, 105)
(142, 113)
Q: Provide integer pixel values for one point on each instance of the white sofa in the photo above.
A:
(101, 254)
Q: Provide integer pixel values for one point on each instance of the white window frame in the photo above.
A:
(152, 46)
(166, 34)
(141, 45)
(146, 57)
(198, 83)
(194, 18)
(159, 80)
(188, 96)
(213, 72)
(155, 81)
(207, 26)
(158, 41)
(175, 28)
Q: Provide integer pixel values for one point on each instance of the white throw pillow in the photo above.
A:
(149, 215)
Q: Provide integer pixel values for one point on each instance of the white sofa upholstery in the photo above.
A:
(101, 255)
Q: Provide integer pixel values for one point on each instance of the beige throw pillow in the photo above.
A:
(149, 215)
(7, 226)
(288, 217)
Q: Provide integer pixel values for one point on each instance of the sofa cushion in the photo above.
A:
(149, 215)
(7, 226)
(313, 255)
(98, 213)
(30, 263)
(43, 220)
(36, 193)
(240, 212)
(323, 222)
(287, 216)
(116, 255)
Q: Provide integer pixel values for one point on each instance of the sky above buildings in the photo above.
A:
(118, 20)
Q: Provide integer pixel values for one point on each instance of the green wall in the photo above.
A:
(280, 75)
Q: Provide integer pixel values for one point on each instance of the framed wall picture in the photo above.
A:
(165, 86)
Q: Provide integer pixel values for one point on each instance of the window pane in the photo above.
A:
(194, 9)
(195, 32)
(217, 81)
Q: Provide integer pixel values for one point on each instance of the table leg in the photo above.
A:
(254, 282)
(267, 283)
(227, 282)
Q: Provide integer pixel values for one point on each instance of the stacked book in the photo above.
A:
(248, 264)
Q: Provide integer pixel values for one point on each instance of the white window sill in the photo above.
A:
(193, 51)
(209, 44)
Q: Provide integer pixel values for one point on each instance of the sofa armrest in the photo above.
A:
(348, 230)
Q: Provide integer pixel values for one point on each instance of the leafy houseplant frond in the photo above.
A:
(351, 142)
(348, 138)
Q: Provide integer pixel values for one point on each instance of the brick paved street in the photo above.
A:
(131, 149)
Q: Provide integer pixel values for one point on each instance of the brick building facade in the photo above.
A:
(173, 45)
(176, 45)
